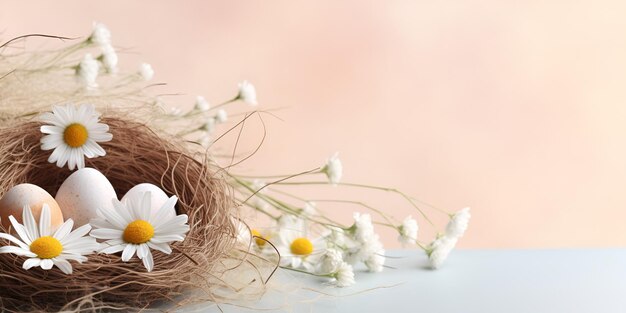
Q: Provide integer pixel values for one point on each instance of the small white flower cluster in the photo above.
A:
(408, 231)
(440, 248)
(362, 244)
(333, 169)
(89, 68)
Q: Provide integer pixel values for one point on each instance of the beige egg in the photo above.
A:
(13, 201)
(157, 197)
(83, 193)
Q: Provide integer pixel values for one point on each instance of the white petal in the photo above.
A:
(14, 240)
(62, 114)
(50, 142)
(148, 262)
(113, 249)
(63, 265)
(20, 230)
(142, 250)
(29, 223)
(163, 247)
(17, 251)
(113, 217)
(160, 217)
(64, 230)
(61, 155)
(30, 263)
(167, 238)
(49, 129)
(71, 159)
(80, 158)
(49, 118)
(77, 233)
(44, 221)
(101, 137)
(173, 229)
(129, 251)
(46, 264)
(106, 233)
(65, 153)
(95, 148)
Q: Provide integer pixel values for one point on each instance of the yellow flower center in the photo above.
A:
(138, 232)
(261, 240)
(301, 246)
(46, 247)
(75, 135)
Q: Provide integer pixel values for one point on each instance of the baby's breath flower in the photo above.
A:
(100, 35)
(376, 261)
(247, 93)
(330, 261)
(87, 71)
(202, 104)
(408, 231)
(109, 59)
(176, 111)
(344, 277)
(439, 250)
(333, 169)
(146, 72)
(458, 223)
(209, 125)
(221, 116)
(309, 209)
(363, 228)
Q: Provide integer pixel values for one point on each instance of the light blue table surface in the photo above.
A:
(481, 281)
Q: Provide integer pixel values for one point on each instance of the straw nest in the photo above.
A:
(135, 155)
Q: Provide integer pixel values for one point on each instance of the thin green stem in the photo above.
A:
(303, 272)
(386, 189)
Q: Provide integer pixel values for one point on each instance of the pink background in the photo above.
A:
(513, 108)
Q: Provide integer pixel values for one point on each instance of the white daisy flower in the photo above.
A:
(247, 93)
(87, 71)
(109, 59)
(458, 223)
(73, 134)
(146, 72)
(408, 231)
(297, 250)
(131, 227)
(201, 104)
(221, 116)
(45, 247)
(344, 277)
(439, 250)
(100, 34)
(333, 169)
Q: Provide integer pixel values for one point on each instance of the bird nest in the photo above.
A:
(135, 155)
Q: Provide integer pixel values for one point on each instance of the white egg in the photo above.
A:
(157, 195)
(14, 199)
(83, 193)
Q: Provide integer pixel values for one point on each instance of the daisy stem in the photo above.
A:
(302, 271)
(386, 189)
(365, 205)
